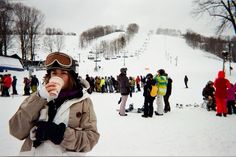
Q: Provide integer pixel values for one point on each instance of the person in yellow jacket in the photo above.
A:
(161, 83)
(102, 85)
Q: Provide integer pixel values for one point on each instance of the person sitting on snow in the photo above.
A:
(208, 93)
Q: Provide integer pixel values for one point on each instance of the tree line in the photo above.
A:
(224, 11)
(25, 25)
(20, 22)
(214, 45)
(112, 47)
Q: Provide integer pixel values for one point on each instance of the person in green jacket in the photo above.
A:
(161, 83)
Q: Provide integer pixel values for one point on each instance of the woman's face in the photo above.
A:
(62, 74)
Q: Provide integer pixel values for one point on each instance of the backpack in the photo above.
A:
(154, 91)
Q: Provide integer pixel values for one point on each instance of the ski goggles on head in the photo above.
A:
(62, 59)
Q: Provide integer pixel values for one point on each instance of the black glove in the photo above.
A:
(50, 131)
(36, 143)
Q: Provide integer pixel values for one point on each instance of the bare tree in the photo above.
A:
(54, 43)
(48, 43)
(6, 23)
(21, 28)
(35, 25)
(28, 23)
(222, 10)
(59, 42)
(132, 29)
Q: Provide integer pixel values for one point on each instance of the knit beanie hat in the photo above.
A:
(123, 70)
(149, 75)
(161, 71)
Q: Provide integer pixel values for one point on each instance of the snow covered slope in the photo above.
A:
(182, 132)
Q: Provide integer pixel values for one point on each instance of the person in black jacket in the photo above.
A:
(208, 93)
(14, 82)
(186, 81)
(148, 99)
(168, 93)
(34, 83)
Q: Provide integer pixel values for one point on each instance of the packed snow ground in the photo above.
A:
(188, 131)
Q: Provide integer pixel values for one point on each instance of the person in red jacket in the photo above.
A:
(7, 82)
(138, 80)
(221, 84)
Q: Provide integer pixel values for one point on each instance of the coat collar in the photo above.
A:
(66, 105)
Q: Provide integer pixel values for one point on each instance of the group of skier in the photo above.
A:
(8, 83)
(155, 87)
(220, 95)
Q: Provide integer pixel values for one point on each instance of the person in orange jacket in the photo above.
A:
(221, 85)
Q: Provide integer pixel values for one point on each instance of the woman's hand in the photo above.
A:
(45, 91)
(51, 86)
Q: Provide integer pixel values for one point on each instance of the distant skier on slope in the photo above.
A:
(186, 81)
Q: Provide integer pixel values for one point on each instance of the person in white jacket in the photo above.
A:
(51, 124)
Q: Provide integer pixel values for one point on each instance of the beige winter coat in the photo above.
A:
(81, 133)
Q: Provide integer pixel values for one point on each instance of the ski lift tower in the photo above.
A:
(230, 48)
(96, 60)
(225, 57)
(124, 56)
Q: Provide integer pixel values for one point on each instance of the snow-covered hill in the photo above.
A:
(170, 53)
(146, 53)
(187, 131)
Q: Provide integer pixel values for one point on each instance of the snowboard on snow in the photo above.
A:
(181, 106)
(131, 109)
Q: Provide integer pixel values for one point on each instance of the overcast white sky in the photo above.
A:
(79, 15)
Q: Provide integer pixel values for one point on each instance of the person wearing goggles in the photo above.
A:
(62, 125)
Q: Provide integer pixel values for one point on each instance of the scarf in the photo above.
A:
(62, 97)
